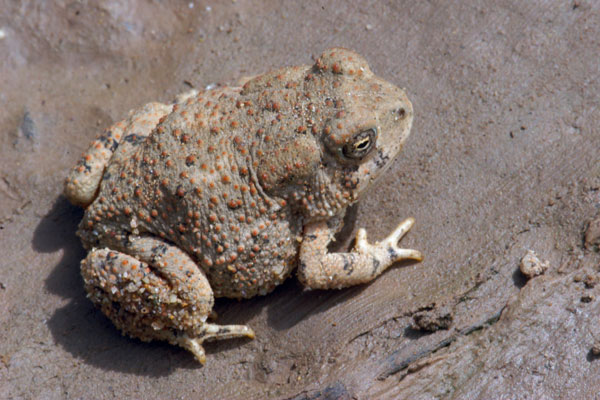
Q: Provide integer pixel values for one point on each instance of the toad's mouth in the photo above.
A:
(370, 171)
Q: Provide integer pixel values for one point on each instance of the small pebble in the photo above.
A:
(590, 281)
(587, 298)
(592, 234)
(531, 266)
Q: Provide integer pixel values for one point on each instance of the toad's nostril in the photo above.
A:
(400, 113)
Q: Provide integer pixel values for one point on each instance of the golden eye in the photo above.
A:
(360, 145)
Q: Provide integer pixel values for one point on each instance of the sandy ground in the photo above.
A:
(503, 158)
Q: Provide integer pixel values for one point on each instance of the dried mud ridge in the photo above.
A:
(433, 317)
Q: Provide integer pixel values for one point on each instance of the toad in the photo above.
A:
(226, 191)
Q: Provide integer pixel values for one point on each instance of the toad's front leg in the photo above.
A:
(322, 270)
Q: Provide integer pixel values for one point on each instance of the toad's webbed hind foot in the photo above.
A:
(212, 332)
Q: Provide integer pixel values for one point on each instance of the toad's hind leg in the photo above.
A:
(152, 290)
(84, 179)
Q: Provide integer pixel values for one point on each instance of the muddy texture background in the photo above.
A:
(503, 158)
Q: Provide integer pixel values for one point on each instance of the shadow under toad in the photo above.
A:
(82, 330)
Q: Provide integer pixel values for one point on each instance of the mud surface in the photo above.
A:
(503, 158)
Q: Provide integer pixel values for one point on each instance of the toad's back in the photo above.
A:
(193, 181)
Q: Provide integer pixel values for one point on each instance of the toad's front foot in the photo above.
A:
(320, 269)
(387, 251)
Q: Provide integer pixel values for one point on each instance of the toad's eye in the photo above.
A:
(360, 145)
